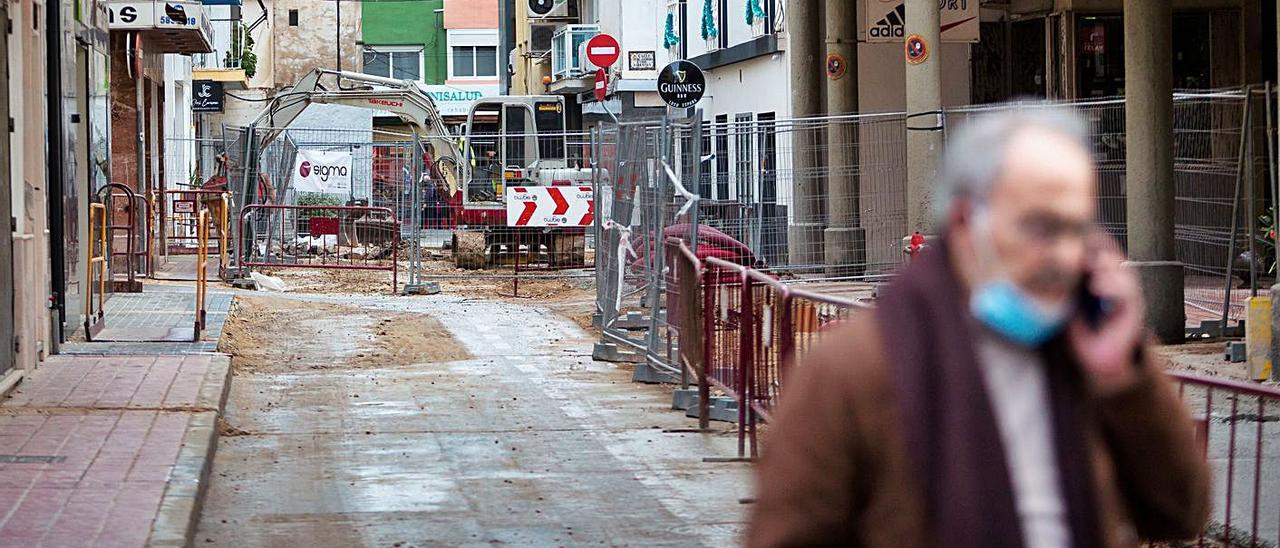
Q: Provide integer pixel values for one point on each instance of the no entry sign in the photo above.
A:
(550, 206)
(602, 85)
(603, 50)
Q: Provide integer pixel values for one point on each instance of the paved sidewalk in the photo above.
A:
(161, 305)
(109, 451)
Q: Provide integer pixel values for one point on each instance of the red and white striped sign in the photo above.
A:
(550, 206)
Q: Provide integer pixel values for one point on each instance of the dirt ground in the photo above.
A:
(275, 334)
(482, 283)
(1202, 358)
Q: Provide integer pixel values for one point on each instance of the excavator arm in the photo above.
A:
(403, 98)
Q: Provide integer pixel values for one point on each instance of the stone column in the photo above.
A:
(845, 242)
(804, 40)
(924, 104)
(1149, 183)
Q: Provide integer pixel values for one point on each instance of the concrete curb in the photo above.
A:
(175, 525)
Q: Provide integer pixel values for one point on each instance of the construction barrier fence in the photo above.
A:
(821, 202)
(321, 236)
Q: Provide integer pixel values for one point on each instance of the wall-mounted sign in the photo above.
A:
(456, 100)
(1093, 40)
(207, 96)
(681, 84)
(642, 60)
(131, 15)
(886, 20)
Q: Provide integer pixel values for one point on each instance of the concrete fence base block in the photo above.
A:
(647, 374)
(610, 352)
(684, 398)
(631, 321)
(722, 409)
(1236, 352)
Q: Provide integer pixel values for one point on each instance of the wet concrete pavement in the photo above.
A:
(529, 442)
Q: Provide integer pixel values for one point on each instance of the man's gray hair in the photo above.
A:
(976, 154)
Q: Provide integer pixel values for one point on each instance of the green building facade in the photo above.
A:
(405, 39)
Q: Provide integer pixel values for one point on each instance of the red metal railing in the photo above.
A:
(752, 329)
(282, 246)
(1231, 420)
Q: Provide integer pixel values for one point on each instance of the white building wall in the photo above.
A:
(179, 127)
(263, 41)
(638, 27)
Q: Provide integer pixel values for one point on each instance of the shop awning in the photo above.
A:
(169, 26)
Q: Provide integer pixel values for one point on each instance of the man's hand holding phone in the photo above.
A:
(1106, 340)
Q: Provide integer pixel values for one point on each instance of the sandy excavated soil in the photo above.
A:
(274, 334)
(1202, 358)
(541, 286)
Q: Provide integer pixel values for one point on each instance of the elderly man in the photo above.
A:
(1000, 394)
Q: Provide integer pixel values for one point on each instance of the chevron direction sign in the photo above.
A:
(550, 206)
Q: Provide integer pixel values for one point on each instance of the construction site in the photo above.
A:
(361, 320)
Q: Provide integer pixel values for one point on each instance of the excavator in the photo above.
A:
(507, 141)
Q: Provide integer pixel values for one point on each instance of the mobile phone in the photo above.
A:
(1092, 308)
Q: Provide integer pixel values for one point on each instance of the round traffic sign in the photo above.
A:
(681, 84)
(602, 85)
(917, 49)
(603, 50)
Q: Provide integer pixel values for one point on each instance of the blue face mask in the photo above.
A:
(1010, 312)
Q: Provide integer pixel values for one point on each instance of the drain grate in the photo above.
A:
(32, 459)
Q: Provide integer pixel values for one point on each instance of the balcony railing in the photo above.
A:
(567, 60)
(228, 34)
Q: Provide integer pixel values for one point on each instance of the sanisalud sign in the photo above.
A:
(681, 84)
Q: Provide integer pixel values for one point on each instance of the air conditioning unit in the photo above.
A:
(584, 61)
(541, 36)
(552, 9)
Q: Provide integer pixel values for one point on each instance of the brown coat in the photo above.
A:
(835, 469)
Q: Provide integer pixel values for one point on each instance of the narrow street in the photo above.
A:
(449, 421)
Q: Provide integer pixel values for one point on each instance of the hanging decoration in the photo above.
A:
(669, 36)
(755, 13)
(708, 21)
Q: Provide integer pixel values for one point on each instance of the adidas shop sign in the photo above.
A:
(885, 20)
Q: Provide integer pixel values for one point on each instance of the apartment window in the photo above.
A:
(293, 18)
(475, 61)
(399, 62)
(722, 157)
(742, 158)
(768, 158)
(707, 172)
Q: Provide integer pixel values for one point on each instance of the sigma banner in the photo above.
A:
(322, 171)
(886, 20)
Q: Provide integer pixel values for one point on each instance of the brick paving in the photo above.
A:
(105, 450)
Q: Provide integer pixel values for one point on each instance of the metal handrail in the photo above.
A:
(100, 261)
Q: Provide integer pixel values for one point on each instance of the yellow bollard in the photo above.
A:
(1257, 338)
